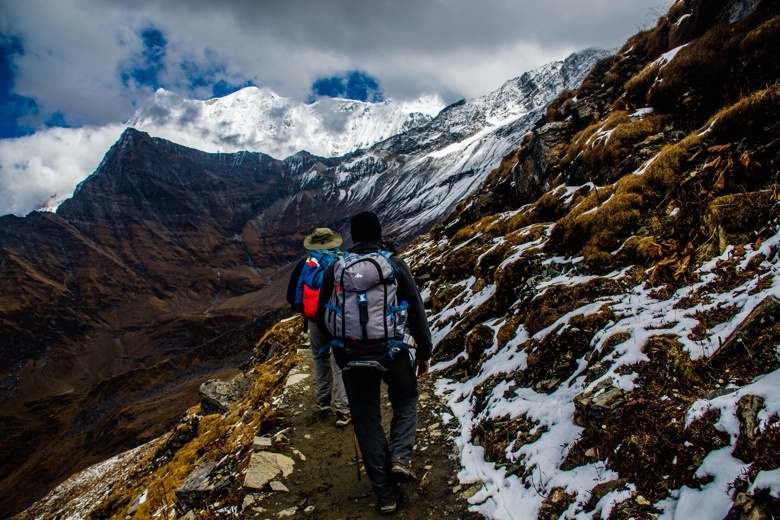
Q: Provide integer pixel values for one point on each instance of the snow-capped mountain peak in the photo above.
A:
(258, 119)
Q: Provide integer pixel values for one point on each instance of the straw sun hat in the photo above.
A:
(322, 238)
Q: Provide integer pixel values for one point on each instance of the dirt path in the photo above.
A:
(324, 483)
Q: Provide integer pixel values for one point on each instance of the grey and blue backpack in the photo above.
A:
(364, 311)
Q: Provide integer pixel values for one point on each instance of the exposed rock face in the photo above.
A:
(218, 396)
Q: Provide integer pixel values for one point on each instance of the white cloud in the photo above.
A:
(42, 170)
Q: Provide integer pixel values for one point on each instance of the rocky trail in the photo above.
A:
(324, 482)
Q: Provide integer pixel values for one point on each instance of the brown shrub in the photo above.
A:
(490, 260)
(508, 330)
(555, 358)
(460, 264)
(667, 168)
(639, 250)
(496, 436)
(758, 37)
(598, 230)
(590, 136)
(558, 300)
(740, 119)
(477, 341)
(548, 208)
(445, 295)
(727, 62)
(509, 282)
(470, 231)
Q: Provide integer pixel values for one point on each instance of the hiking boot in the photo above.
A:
(402, 472)
(342, 418)
(390, 507)
(325, 407)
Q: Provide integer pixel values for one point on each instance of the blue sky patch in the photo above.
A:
(149, 63)
(351, 85)
(191, 77)
(57, 119)
(13, 107)
(211, 76)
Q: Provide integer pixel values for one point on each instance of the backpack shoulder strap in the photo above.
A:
(387, 255)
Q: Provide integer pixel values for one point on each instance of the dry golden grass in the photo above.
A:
(524, 218)
(666, 169)
(766, 32)
(724, 64)
(588, 136)
(607, 144)
(639, 250)
(638, 85)
(735, 119)
(548, 208)
(470, 231)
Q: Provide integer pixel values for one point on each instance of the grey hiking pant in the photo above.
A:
(327, 374)
(363, 386)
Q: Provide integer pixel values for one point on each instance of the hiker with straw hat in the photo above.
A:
(302, 293)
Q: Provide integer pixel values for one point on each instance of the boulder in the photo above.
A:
(265, 466)
(218, 396)
(765, 316)
(198, 491)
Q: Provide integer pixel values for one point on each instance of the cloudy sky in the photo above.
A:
(71, 67)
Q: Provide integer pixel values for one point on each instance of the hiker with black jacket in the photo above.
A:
(366, 363)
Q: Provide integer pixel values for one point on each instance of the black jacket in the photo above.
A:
(407, 290)
(292, 285)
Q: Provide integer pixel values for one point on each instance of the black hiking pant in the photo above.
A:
(363, 391)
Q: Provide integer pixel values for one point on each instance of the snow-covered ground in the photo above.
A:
(638, 316)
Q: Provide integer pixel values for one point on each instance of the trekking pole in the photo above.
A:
(357, 453)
